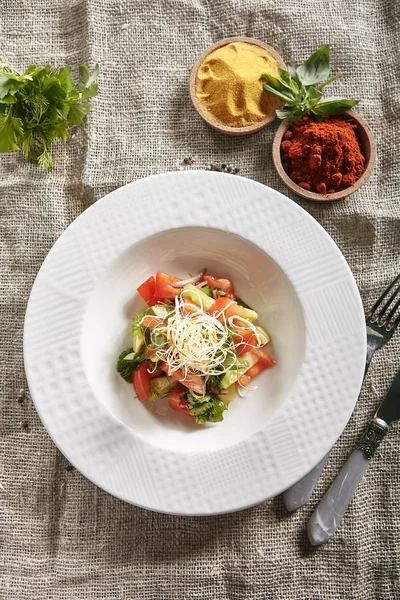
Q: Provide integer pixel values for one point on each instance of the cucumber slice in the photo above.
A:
(161, 311)
(138, 339)
(244, 363)
(250, 314)
(230, 396)
(264, 336)
(161, 387)
(195, 295)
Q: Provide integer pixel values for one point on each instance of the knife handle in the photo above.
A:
(300, 493)
(327, 516)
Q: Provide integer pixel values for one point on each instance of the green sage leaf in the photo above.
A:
(316, 68)
(334, 106)
(286, 96)
(292, 70)
(297, 113)
(284, 78)
(274, 82)
(301, 88)
(283, 113)
(313, 97)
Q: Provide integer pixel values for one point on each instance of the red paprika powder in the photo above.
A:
(323, 157)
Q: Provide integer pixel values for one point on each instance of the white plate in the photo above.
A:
(283, 264)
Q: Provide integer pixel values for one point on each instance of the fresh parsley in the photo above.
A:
(39, 105)
(209, 408)
(207, 290)
(127, 362)
(136, 322)
(214, 382)
(301, 88)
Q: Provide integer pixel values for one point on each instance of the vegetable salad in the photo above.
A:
(194, 344)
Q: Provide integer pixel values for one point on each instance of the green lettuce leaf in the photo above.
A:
(209, 408)
(127, 362)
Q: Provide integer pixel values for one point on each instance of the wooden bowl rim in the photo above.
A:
(276, 157)
(236, 131)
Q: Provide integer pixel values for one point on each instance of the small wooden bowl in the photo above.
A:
(368, 147)
(192, 88)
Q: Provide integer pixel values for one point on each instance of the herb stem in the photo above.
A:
(333, 78)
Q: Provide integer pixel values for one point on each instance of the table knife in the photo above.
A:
(329, 513)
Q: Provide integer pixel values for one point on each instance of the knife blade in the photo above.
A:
(389, 409)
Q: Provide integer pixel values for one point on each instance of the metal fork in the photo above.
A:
(381, 322)
(382, 325)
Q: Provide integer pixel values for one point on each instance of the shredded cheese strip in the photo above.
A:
(236, 323)
(196, 341)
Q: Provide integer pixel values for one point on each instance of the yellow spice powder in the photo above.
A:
(228, 85)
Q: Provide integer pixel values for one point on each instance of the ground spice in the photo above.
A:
(323, 157)
(229, 88)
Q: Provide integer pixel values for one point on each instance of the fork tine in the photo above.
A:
(392, 326)
(381, 314)
(383, 296)
(392, 312)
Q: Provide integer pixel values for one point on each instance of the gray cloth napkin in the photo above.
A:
(61, 538)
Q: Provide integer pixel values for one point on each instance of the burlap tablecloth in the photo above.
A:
(61, 537)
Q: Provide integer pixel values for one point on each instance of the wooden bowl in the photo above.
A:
(368, 147)
(192, 88)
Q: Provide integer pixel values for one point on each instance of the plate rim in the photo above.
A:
(93, 209)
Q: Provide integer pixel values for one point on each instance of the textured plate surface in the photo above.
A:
(285, 260)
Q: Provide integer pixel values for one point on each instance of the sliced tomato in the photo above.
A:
(223, 284)
(195, 383)
(192, 380)
(244, 380)
(235, 310)
(190, 307)
(163, 288)
(264, 357)
(156, 373)
(152, 355)
(228, 306)
(150, 321)
(245, 339)
(265, 361)
(141, 382)
(177, 403)
(154, 300)
(146, 290)
(219, 305)
(255, 369)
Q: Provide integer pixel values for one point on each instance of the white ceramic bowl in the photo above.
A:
(282, 263)
(114, 301)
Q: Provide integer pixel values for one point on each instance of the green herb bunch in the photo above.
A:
(127, 362)
(38, 106)
(300, 88)
(209, 408)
